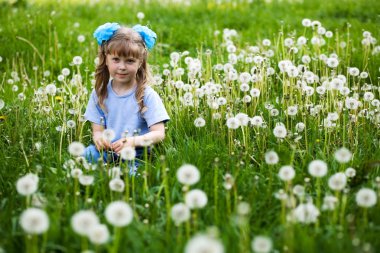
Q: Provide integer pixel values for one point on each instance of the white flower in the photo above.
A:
(366, 198)
(71, 124)
(76, 173)
(77, 60)
(2, 104)
(117, 185)
(233, 123)
(261, 244)
(306, 22)
(243, 208)
(351, 103)
(254, 92)
(108, 135)
(34, 221)
(286, 173)
(84, 221)
(195, 199)
(86, 179)
(271, 157)
(119, 214)
(350, 172)
(51, 89)
(180, 213)
(354, 71)
(99, 234)
(306, 213)
(65, 71)
(329, 202)
(140, 15)
(27, 184)
(188, 174)
(204, 244)
(243, 118)
(317, 168)
(257, 121)
(292, 110)
(199, 122)
(76, 148)
(81, 38)
(280, 131)
(300, 126)
(128, 153)
(343, 155)
(338, 181)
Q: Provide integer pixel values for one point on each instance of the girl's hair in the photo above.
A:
(126, 43)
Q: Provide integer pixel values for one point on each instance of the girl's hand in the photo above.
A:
(118, 145)
(100, 143)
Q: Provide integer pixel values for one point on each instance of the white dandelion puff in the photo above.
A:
(366, 198)
(76, 148)
(338, 181)
(180, 213)
(343, 155)
(84, 221)
(119, 214)
(117, 185)
(188, 174)
(261, 244)
(128, 153)
(286, 173)
(99, 234)
(271, 157)
(34, 221)
(317, 168)
(27, 185)
(195, 199)
(204, 244)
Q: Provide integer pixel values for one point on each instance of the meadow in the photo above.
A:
(272, 146)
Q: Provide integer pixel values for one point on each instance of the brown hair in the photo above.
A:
(126, 43)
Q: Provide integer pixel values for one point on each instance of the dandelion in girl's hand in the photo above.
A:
(27, 185)
(271, 158)
(199, 122)
(261, 244)
(180, 213)
(119, 214)
(128, 153)
(76, 148)
(108, 135)
(195, 199)
(188, 174)
(117, 185)
(343, 155)
(306, 213)
(34, 221)
(203, 244)
(286, 173)
(317, 168)
(338, 181)
(99, 234)
(366, 198)
(84, 221)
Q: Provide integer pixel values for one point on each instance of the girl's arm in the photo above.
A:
(155, 135)
(97, 131)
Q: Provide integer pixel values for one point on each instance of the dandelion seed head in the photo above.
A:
(180, 213)
(366, 198)
(76, 148)
(261, 244)
(188, 174)
(34, 221)
(119, 214)
(196, 199)
(99, 234)
(27, 185)
(204, 244)
(128, 153)
(84, 221)
(286, 173)
(338, 181)
(317, 168)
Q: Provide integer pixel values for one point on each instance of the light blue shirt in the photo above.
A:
(123, 114)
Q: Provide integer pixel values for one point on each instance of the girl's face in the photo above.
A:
(123, 69)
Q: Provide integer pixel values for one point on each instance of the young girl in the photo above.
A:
(124, 104)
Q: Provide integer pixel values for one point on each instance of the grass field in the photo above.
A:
(239, 79)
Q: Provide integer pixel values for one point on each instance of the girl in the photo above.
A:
(130, 110)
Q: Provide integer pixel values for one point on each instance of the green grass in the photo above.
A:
(43, 35)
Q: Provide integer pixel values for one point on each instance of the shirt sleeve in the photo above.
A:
(156, 111)
(93, 112)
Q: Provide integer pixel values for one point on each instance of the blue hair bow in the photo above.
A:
(149, 37)
(105, 32)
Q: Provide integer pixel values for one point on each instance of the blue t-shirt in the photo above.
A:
(122, 112)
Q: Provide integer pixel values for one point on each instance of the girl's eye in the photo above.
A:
(115, 59)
